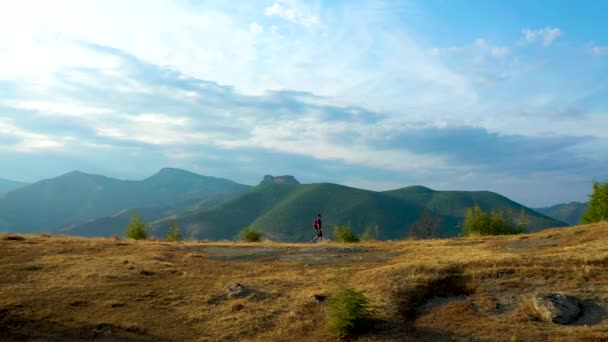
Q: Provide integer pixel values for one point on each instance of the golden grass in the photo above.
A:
(69, 288)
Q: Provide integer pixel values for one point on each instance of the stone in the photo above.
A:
(237, 290)
(318, 299)
(557, 308)
(286, 179)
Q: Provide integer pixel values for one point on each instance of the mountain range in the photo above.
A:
(9, 185)
(214, 208)
(76, 197)
(570, 213)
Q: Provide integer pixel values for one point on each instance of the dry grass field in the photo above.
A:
(463, 289)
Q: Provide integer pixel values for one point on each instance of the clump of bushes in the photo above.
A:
(478, 222)
(348, 312)
(137, 228)
(174, 233)
(344, 233)
(598, 204)
(251, 235)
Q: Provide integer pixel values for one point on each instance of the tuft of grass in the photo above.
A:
(344, 233)
(251, 235)
(348, 312)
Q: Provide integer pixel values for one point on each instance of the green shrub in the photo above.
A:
(478, 222)
(251, 235)
(371, 233)
(174, 233)
(344, 234)
(598, 204)
(137, 228)
(348, 312)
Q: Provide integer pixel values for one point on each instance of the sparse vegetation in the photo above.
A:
(344, 233)
(137, 228)
(478, 222)
(426, 227)
(348, 312)
(371, 233)
(174, 233)
(598, 205)
(474, 288)
(251, 235)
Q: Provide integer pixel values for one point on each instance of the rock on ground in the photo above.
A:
(557, 308)
(237, 290)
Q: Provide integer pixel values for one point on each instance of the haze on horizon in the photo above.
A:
(471, 95)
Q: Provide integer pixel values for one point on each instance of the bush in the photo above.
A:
(344, 234)
(371, 233)
(477, 222)
(137, 228)
(348, 312)
(251, 235)
(597, 210)
(174, 233)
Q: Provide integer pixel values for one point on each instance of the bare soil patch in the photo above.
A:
(312, 255)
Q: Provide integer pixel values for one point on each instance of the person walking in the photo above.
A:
(317, 226)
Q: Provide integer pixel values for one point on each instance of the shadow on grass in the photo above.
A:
(17, 327)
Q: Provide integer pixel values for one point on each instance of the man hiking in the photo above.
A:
(317, 226)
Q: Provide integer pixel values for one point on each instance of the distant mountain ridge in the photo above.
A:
(570, 213)
(77, 197)
(214, 208)
(283, 211)
(7, 185)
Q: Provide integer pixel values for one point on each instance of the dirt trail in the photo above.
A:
(312, 255)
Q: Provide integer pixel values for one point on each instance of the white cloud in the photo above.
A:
(293, 15)
(490, 49)
(255, 27)
(545, 36)
(599, 51)
(28, 142)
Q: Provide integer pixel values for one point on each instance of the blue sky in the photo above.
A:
(465, 95)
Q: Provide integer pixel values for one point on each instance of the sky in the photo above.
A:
(506, 96)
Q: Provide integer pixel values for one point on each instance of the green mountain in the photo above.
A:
(286, 211)
(9, 185)
(570, 213)
(79, 197)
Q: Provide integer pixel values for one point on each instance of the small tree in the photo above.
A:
(344, 234)
(477, 222)
(348, 312)
(522, 222)
(251, 235)
(426, 227)
(597, 210)
(174, 233)
(137, 228)
(371, 233)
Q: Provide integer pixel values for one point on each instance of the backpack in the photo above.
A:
(315, 224)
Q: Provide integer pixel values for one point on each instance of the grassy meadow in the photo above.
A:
(461, 289)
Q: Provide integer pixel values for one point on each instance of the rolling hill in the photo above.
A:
(285, 211)
(9, 185)
(567, 212)
(79, 197)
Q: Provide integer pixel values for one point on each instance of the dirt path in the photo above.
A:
(312, 255)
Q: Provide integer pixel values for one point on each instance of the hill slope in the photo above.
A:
(9, 185)
(570, 213)
(77, 197)
(285, 211)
